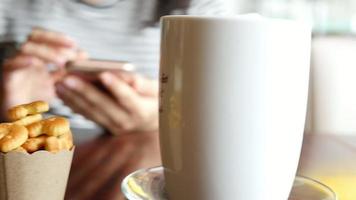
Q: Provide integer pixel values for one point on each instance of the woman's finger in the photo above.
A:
(82, 55)
(43, 52)
(68, 54)
(50, 37)
(80, 105)
(146, 87)
(21, 61)
(100, 100)
(125, 94)
(143, 85)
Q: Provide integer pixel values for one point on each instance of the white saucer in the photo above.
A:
(148, 184)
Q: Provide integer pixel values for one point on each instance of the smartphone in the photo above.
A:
(96, 66)
(90, 69)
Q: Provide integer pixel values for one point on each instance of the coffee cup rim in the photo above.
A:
(255, 17)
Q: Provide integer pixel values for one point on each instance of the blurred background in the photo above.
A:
(332, 99)
(331, 120)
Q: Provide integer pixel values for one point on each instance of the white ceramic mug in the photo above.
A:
(233, 105)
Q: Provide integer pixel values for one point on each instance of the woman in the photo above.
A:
(105, 29)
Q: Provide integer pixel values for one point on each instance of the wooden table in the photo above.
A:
(102, 161)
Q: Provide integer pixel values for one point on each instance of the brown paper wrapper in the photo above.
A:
(40, 176)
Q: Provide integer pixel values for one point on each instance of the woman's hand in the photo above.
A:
(26, 77)
(132, 104)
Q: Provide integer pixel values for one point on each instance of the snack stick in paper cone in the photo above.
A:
(35, 129)
(55, 144)
(4, 129)
(68, 138)
(15, 137)
(54, 126)
(24, 110)
(29, 120)
(34, 144)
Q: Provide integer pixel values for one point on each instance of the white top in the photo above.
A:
(118, 32)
